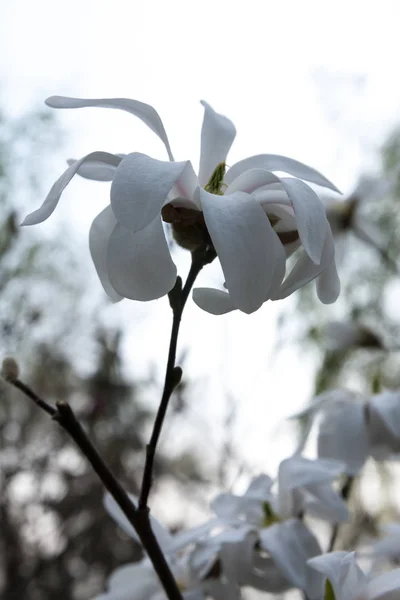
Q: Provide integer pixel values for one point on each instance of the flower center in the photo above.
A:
(188, 226)
(216, 181)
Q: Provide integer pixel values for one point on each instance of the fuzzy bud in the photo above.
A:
(10, 369)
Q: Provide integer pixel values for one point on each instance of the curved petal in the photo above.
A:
(347, 579)
(387, 405)
(328, 284)
(386, 585)
(305, 270)
(144, 112)
(251, 180)
(244, 241)
(323, 502)
(164, 538)
(310, 214)
(141, 186)
(96, 170)
(291, 544)
(311, 221)
(275, 162)
(216, 302)
(279, 266)
(343, 434)
(217, 135)
(139, 264)
(99, 235)
(48, 206)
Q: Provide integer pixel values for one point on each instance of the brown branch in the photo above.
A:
(138, 518)
(177, 297)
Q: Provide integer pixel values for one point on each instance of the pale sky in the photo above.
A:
(314, 80)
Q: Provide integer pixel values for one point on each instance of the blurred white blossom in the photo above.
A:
(349, 582)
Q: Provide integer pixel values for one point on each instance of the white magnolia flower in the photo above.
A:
(349, 582)
(353, 428)
(252, 218)
(139, 581)
(260, 519)
(303, 486)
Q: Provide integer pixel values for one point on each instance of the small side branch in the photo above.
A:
(139, 519)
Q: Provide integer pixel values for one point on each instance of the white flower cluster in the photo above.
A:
(353, 428)
(250, 217)
(260, 540)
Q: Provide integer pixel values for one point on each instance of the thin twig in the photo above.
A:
(139, 519)
(345, 493)
(178, 299)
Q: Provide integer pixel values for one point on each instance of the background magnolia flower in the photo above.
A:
(303, 486)
(349, 582)
(353, 428)
(252, 218)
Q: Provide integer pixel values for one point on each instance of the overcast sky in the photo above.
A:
(314, 80)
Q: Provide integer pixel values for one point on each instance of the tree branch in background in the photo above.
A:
(139, 519)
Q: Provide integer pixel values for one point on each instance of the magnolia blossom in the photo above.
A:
(349, 582)
(252, 218)
(139, 581)
(353, 428)
(303, 486)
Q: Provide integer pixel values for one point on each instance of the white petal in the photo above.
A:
(139, 264)
(140, 188)
(244, 241)
(328, 284)
(48, 206)
(96, 170)
(305, 270)
(134, 578)
(343, 435)
(217, 135)
(299, 472)
(216, 302)
(144, 112)
(291, 544)
(386, 585)
(325, 503)
(275, 162)
(99, 235)
(311, 220)
(251, 180)
(164, 538)
(387, 405)
(195, 534)
(260, 487)
(347, 579)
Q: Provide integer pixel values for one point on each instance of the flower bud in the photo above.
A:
(10, 369)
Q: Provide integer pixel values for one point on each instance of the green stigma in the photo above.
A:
(269, 516)
(216, 180)
(329, 593)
